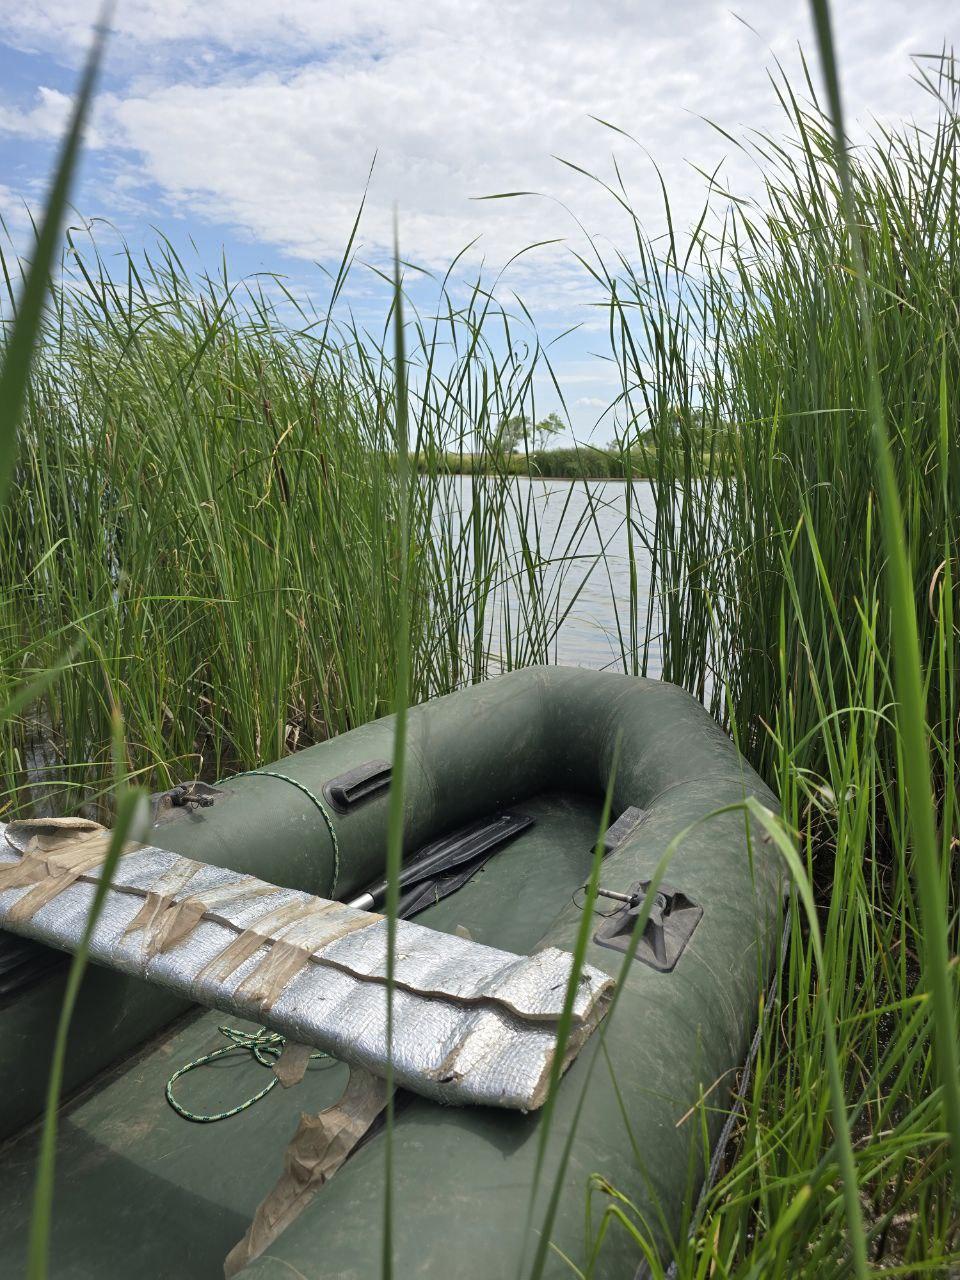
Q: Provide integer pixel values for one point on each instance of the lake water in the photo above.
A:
(583, 529)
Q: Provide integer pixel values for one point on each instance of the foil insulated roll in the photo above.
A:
(471, 1023)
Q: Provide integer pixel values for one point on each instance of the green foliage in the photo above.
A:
(512, 433)
(908, 681)
(776, 603)
(519, 429)
(208, 498)
(545, 429)
(575, 463)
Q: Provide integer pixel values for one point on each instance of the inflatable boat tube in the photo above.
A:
(502, 803)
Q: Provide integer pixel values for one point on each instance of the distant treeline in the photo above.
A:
(571, 464)
(584, 462)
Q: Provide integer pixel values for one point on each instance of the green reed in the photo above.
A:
(23, 338)
(745, 349)
(207, 499)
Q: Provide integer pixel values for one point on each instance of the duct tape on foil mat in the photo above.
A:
(471, 1024)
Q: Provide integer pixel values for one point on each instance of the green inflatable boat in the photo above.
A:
(503, 799)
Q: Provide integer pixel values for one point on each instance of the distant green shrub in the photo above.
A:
(573, 463)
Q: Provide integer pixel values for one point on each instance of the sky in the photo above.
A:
(250, 127)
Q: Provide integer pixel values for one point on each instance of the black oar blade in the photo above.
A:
(461, 848)
(427, 892)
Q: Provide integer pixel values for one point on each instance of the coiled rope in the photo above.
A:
(264, 1047)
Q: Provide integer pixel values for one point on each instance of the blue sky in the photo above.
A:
(250, 127)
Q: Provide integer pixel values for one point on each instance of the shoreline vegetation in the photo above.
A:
(575, 463)
(212, 534)
(635, 458)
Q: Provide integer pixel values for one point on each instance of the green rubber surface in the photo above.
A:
(541, 741)
(142, 1192)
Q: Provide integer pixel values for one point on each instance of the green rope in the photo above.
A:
(264, 1046)
(267, 773)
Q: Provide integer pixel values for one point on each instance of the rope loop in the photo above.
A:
(263, 1046)
(314, 800)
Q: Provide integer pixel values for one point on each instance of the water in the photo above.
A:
(583, 533)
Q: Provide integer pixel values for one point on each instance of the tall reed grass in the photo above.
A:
(779, 607)
(207, 505)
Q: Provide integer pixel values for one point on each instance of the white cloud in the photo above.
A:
(64, 26)
(265, 117)
(47, 118)
(12, 210)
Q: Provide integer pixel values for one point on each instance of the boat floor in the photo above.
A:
(142, 1192)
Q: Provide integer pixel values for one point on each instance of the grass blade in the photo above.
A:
(401, 703)
(131, 814)
(23, 339)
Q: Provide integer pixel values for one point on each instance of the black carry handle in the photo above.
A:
(350, 789)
